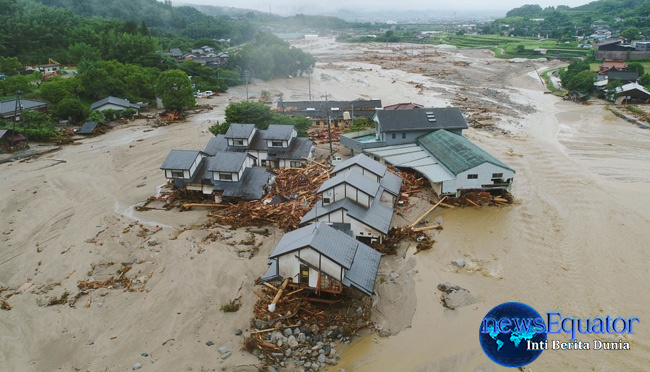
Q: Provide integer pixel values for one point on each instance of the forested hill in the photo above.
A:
(564, 21)
(35, 30)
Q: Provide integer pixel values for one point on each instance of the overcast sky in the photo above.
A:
(291, 7)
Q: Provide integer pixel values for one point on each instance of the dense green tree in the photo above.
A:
(631, 33)
(71, 108)
(10, 66)
(24, 83)
(582, 82)
(248, 112)
(644, 80)
(175, 90)
(575, 67)
(80, 51)
(636, 67)
(56, 89)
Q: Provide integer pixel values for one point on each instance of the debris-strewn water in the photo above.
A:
(575, 242)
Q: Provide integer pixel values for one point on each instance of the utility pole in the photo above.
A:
(17, 111)
(329, 124)
(309, 80)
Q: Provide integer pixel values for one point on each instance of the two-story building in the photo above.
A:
(398, 127)
(359, 197)
(278, 146)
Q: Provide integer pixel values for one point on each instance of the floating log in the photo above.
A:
(434, 227)
(429, 211)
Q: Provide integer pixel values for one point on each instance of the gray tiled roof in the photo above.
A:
(278, 132)
(330, 242)
(249, 187)
(9, 106)
(363, 273)
(360, 261)
(216, 144)
(342, 105)
(391, 183)
(364, 162)
(378, 216)
(456, 152)
(226, 162)
(421, 119)
(239, 130)
(180, 159)
(353, 179)
(299, 148)
(114, 101)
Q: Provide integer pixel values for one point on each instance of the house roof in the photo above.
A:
(250, 187)
(363, 273)
(11, 135)
(114, 101)
(330, 242)
(239, 130)
(216, 144)
(391, 183)
(421, 119)
(278, 132)
(226, 162)
(353, 179)
(613, 64)
(622, 75)
(403, 106)
(633, 89)
(455, 152)
(415, 157)
(180, 159)
(175, 52)
(360, 261)
(88, 127)
(8, 107)
(364, 162)
(378, 216)
(359, 104)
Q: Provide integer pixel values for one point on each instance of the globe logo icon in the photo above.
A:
(507, 331)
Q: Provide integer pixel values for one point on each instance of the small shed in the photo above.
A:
(88, 128)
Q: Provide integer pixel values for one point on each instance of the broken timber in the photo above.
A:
(278, 295)
(428, 212)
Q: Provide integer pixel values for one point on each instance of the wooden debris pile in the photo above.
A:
(293, 194)
(398, 234)
(4, 305)
(411, 183)
(480, 199)
(323, 135)
(121, 281)
(300, 331)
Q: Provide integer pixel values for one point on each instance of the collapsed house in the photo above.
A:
(359, 197)
(323, 259)
(339, 113)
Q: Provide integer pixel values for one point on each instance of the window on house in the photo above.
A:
(497, 175)
(276, 143)
(225, 176)
(295, 164)
(393, 135)
(239, 142)
(177, 174)
(472, 176)
(264, 163)
(403, 135)
(326, 200)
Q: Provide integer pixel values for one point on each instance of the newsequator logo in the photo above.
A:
(514, 334)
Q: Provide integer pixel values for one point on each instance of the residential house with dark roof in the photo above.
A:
(359, 197)
(398, 127)
(631, 92)
(114, 103)
(223, 176)
(340, 113)
(322, 259)
(8, 107)
(278, 146)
